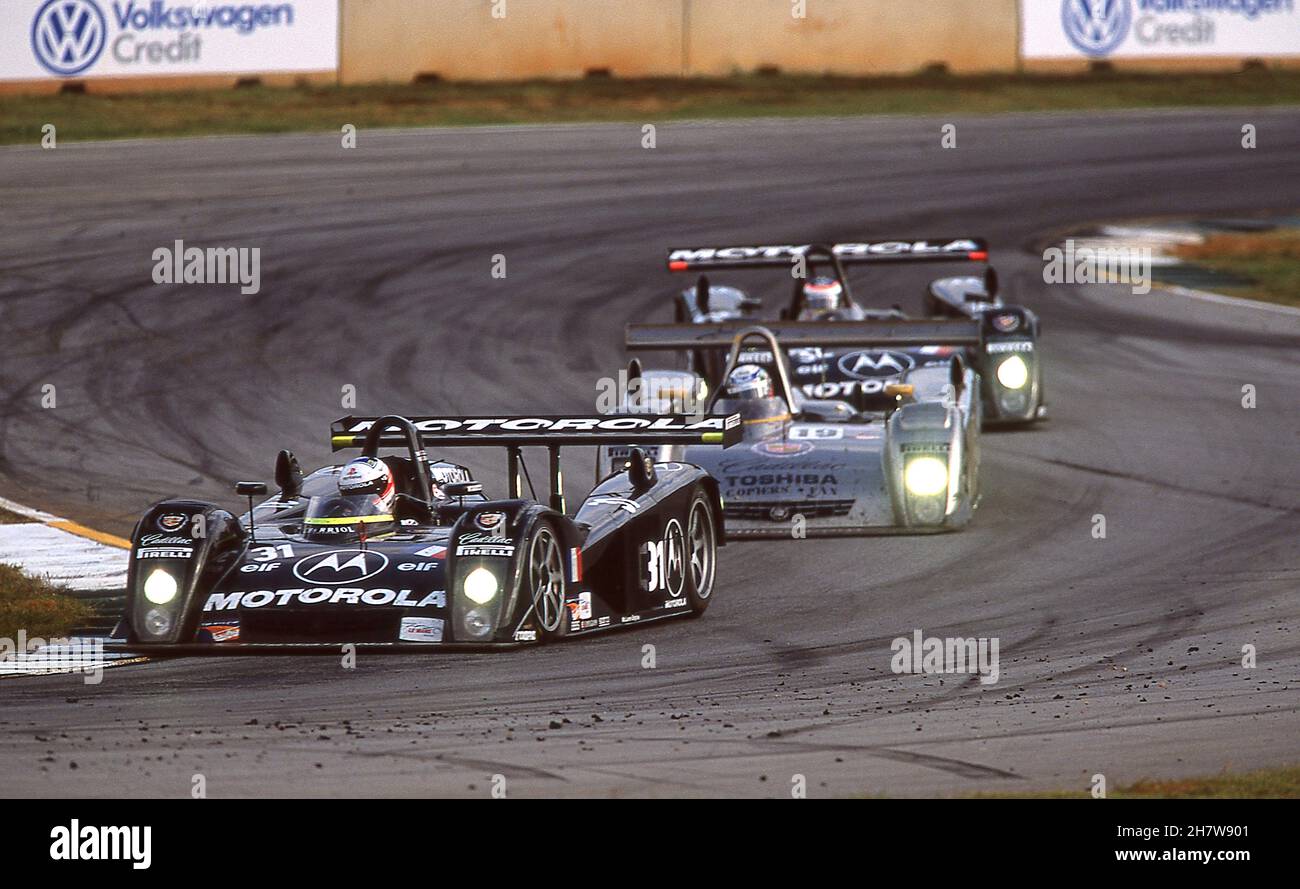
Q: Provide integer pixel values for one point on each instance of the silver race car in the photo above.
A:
(905, 460)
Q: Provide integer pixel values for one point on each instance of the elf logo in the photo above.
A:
(90, 843)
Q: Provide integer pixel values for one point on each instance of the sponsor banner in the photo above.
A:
(52, 39)
(1140, 29)
(421, 629)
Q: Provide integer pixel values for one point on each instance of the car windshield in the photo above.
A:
(338, 516)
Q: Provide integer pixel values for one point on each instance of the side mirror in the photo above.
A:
(250, 489)
(990, 282)
(640, 470)
(407, 507)
(462, 489)
(288, 475)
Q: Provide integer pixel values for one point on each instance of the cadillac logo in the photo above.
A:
(171, 521)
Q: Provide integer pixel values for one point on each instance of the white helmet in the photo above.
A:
(748, 381)
(369, 475)
(823, 295)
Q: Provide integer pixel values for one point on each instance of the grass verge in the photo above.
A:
(28, 603)
(316, 108)
(1278, 783)
(1270, 259)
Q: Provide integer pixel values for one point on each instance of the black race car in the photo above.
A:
(448, 568)
(1006, 360)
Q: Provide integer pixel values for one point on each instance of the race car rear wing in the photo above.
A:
(688, 259)
(795, 334)
(547, 431)
(514, 433)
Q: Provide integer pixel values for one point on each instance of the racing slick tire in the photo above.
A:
(543, 580)
(701, 551)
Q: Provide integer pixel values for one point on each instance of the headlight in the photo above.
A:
(156, 622)
(1013, 373)
(481, 586)
(160, 587)
(478, 622)
(926, 476)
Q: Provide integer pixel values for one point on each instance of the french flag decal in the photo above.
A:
(575, 565)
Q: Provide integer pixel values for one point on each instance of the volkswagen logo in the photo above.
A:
(865, 365)
(340, 566)
(68, 35)
(1096, 27)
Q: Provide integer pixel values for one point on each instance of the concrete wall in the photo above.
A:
(398, 40)
(852, 36)
(394, 40)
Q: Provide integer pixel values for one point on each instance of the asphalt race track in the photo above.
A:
(1118, 656)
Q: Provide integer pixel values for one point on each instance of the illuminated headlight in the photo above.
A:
(156, 622)
(481, 586)
(926, 476)
(479, 622)
(1013, 372)
(160, 587)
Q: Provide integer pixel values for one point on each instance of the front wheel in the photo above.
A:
(701, 552)
(544, 579)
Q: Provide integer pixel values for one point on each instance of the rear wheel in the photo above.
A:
(544, 576)
(701, 552)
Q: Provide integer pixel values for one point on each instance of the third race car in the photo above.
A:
(1007, 358)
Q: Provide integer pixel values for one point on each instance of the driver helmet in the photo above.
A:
(370, 475)
(821, 295)
(749, 381)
